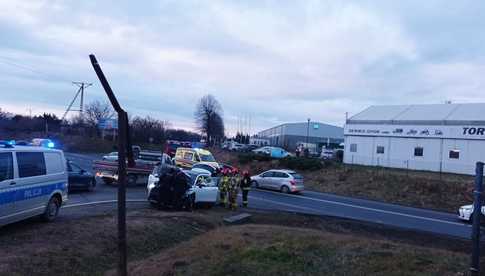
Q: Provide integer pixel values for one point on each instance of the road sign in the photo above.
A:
(108, 124)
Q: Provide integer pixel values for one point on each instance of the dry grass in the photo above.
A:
(175, 243)
(418, 189)
(88, 246)
(280, 250)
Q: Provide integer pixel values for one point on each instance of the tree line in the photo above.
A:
(143, 129)
(208, 118)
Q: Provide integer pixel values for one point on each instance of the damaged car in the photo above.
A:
(172, 187)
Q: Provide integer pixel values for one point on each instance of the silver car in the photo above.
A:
(286, 181)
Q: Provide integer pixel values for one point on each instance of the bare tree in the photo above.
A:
(95, 111)
(208, 118)
(148, 130)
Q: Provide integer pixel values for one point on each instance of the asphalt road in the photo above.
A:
(308, 203)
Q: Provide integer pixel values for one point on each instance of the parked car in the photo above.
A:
(263, 150)
(327, 154)
(276, 152)
(79, 178)
(187, 157)
(249, 148)
(202, 188)
(286, 181)
(171, 147)
(465, 212)
(236, 147)
(33, 181)
(112, 156)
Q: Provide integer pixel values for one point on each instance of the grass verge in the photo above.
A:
(445, 192)
(88, 246)
(281, 250)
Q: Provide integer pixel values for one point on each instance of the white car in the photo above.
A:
(327, 154)
(466, 211)
(285, 181)
(112, 156)
(202, 185)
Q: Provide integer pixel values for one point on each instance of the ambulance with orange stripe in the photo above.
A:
(186, 157)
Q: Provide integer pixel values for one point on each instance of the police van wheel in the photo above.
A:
(51, 210)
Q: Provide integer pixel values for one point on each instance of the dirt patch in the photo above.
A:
(445, 192)
(281, 250)
(88, 246)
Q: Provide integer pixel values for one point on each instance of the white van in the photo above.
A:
(33, 181)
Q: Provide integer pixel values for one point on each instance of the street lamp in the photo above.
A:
(307, 131)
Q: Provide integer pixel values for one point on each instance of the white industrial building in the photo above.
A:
(433, 137)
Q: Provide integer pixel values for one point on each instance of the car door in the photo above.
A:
(76, 177)
(7, 186)
(278, 180)
(205, 189)
(31, 196)
(266, 179)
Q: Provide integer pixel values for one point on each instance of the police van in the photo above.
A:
(33, 181)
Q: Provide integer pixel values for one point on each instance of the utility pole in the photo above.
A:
(80, 91)
(477, 214)
(125, 151)
(81, 86)
(307, 131)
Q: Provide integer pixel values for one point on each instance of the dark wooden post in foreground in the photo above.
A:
(124, 152)
(477, 213)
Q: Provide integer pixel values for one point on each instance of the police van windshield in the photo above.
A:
(207, 158)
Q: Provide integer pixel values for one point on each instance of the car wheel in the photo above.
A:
(131, 179)
(285, 189)
(52, 209)
(91, 185)
(255, 184)
(107, 181)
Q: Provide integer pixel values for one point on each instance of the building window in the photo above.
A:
(380, 150)
(353, 147)
(454, 154)
(418, 151)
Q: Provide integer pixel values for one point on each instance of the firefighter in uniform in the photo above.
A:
(223, 187)
(245, 187)
(234, 189)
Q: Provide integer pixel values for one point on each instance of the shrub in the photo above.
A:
(245, 158)
(304, 164)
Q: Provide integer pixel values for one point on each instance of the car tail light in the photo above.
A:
(293, 182)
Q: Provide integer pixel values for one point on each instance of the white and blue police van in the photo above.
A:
(33, 181)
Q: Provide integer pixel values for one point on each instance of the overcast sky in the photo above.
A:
(271, 61)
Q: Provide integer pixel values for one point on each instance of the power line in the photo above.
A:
(12, 62)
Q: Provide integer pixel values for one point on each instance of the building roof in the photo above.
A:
(316, 129)
(423, 114)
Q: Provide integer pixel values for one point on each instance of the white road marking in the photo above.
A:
(284, 204)
(372, 209)
(101, 202)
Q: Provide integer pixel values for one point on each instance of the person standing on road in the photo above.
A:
(245, 187)
(223, 187)
(234, 189)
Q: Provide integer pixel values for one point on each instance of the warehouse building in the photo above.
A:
(435, 137)
(290, 134)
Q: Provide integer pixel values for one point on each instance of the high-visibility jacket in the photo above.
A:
(224, 183)
(246, 183)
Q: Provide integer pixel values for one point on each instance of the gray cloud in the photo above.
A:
(273, 61)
